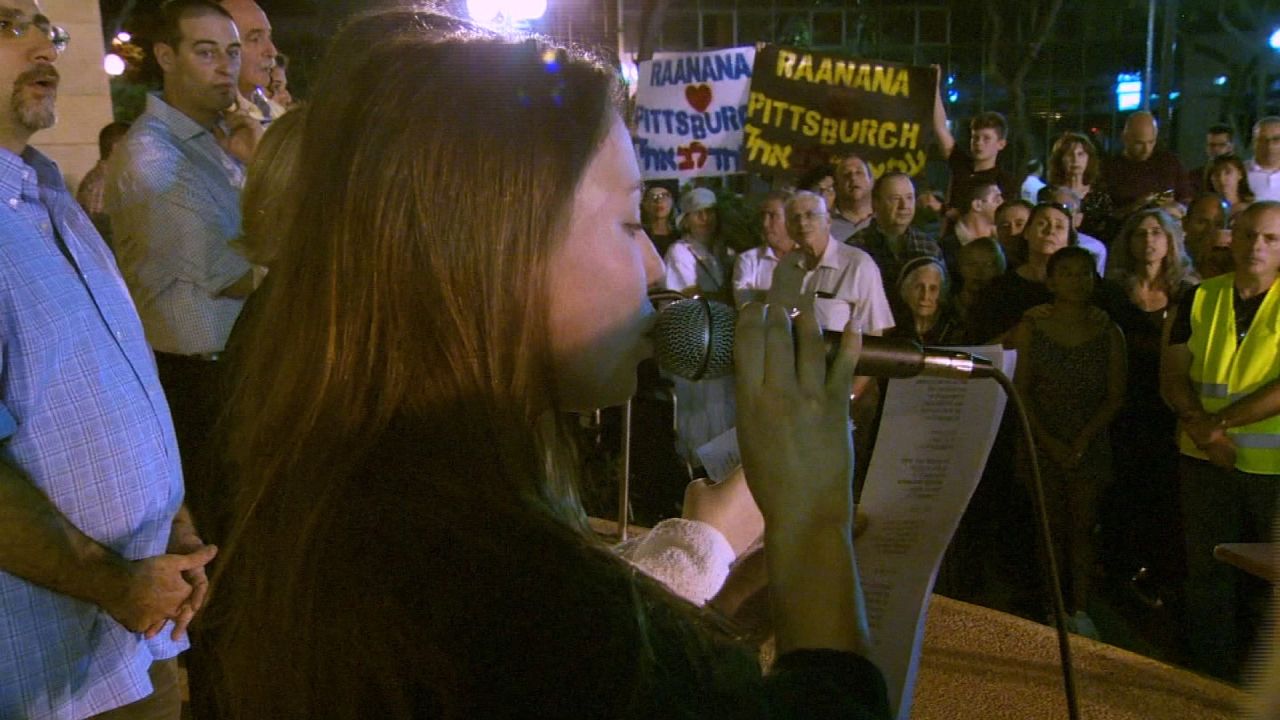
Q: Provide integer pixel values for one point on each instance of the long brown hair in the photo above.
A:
(436, 172)
(266, 200)
(1175, 268)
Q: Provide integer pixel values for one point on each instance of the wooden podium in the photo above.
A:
(983, 664)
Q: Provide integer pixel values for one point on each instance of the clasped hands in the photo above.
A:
(1065, 454)
(1209, 434)
(152, 591)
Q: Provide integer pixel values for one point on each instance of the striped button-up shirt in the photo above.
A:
(173, 195)
(82, 415)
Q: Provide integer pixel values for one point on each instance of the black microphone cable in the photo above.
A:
(1046, 538)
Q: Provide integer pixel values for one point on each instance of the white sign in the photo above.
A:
(690, 111)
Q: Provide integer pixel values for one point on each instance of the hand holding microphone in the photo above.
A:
(793, 410)
(797, 452)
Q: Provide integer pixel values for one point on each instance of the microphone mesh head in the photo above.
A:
(693, 339)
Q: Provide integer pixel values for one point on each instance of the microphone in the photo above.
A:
(693, 339)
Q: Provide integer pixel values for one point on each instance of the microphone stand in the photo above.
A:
(624, 480)
(1046, 537)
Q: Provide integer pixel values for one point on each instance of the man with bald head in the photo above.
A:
(257, 59)
(1144, 174)
(1220, 372)
(1264, 168)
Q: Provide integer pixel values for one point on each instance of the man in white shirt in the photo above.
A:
(844, 279)
(847, 290)
(1264, 168)
(753, 272)
(1033, 183)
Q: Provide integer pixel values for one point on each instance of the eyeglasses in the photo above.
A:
(14, 27)
(1056, 206)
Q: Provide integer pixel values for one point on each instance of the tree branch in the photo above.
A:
(995, 18)
(1039, 35)
(652, 13)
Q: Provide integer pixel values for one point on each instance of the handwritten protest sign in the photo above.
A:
(690, 111)
(805, 106)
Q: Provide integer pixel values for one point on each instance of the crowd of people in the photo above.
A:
(300, 378)
(1085, 276)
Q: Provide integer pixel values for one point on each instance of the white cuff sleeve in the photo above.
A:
(690, 557)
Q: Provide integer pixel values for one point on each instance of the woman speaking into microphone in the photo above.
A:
(463, 266)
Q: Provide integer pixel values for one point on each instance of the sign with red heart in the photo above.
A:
(691, 108)
(699, 96)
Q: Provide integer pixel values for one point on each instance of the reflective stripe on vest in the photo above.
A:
(1224, 370)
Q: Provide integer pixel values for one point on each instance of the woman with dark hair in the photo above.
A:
(1071, 373)
(1226, 175)
(980, 262)
(1074, 163)
(657, 216)
(1006, 298)
(1011, 221)
(821, 181)
(265, 200)
(408, 540)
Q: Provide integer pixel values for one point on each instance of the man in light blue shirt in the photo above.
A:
(173, 189)
(173, 194)
(101, 569)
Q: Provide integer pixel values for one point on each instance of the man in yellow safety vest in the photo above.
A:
(1220, 372)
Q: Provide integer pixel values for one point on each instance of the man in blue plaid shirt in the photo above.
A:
(101, 569)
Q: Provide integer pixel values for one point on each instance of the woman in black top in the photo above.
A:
(1005, 299)
(407, 537)
(1074, 163)
(1140, 514)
